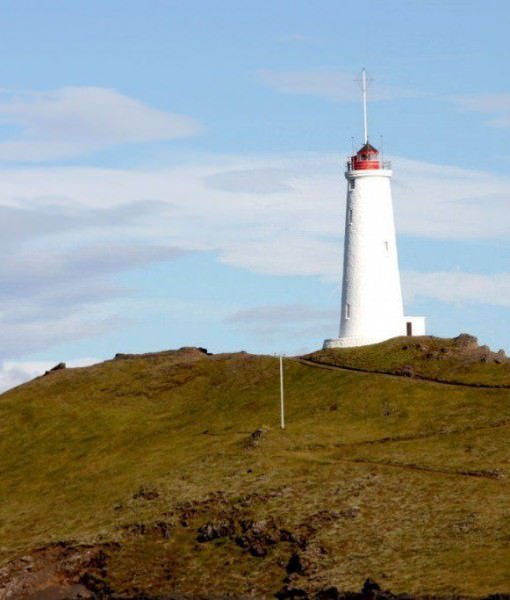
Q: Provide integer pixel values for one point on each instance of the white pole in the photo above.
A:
(282, 406)
(364, 88)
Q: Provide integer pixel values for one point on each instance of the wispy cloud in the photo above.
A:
(272, 323)
(496, 105)
(443, 202)
(457, 287)
(328, 83)
(293, 313)
(71, 121)
(34, 335)
(58, 267)
(68, 232)
(13, 373)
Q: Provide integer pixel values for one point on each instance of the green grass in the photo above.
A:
(458, 360)
(422, 466)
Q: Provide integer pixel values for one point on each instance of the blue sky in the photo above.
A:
(172, 172)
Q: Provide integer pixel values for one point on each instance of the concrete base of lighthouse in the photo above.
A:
(349, 342)
(411, 326)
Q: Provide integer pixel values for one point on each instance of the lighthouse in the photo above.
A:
(371, 307)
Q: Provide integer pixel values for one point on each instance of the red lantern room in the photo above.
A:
(366, 158)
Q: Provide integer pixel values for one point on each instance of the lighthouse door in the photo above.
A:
(409, 328)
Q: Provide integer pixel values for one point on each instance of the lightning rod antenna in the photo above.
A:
(364, 89)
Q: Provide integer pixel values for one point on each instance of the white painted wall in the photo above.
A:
(372, 308)
(418, 324)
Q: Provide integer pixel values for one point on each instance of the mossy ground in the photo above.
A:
(398, 479)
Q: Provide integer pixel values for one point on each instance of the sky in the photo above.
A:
(171, 172)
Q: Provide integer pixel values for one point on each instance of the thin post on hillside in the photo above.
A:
(282, 401)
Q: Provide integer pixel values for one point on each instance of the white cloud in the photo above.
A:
(332, 84)
(13, 373)
(20, 338)
(457, 287)
(270, 324)
(69, 231)
(276, 214)
(294, 313)
(71, 121)
(445, 202)
(496, 104)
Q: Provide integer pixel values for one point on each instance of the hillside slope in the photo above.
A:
(167, 474)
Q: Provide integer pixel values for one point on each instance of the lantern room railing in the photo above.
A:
(356, 164)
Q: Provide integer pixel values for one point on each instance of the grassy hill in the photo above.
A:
(167, 474)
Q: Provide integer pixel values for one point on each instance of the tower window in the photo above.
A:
(347, 311)
(352, 184)
(387, 247)
(350, 216)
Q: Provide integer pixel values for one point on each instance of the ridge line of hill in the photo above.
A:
(323, 365)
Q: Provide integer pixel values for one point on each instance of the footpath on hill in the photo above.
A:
(459, 361)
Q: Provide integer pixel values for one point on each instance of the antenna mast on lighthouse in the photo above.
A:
(364, 89)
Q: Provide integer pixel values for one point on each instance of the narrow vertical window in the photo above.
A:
(350, 216)
(387, 247)
(352, 184)
(347, 311)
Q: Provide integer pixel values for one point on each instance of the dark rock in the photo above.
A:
(146, 493)
(214, 530)
(372, 591)
(370, 586)
(259, 433)
(349, 513)
(135, 528)
(405, 371)
(287, 536)
(254, 440)
(95, 584)
(329, 593)
(466, 341)
(257, 549)
(164, 529)
(258, 536)
(291, 592)
(297, 564)
(58, 367)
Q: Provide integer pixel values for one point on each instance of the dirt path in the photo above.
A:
(495, 475)
(428, 434)
(321, 365)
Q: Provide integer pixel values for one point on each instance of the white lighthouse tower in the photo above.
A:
(372, 308)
